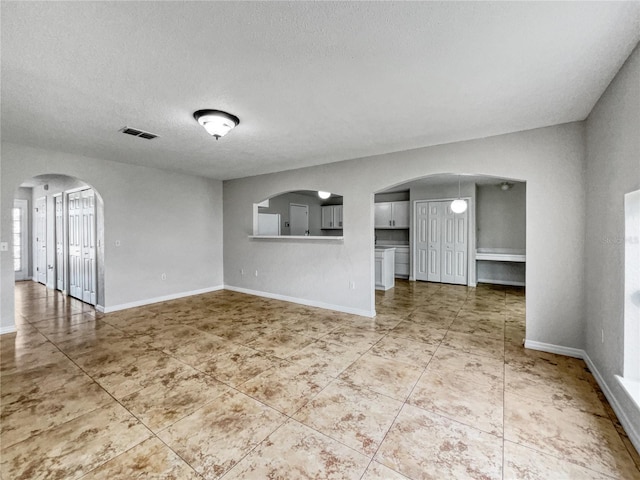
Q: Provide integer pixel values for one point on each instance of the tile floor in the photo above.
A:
(437, 386)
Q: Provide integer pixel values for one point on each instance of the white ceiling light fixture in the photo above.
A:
(216, 122)
(459, 205)
(506, 186)
(324, 195)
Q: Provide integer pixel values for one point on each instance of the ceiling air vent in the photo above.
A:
(138, 133)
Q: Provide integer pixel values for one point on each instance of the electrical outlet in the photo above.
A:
(352, 285)
(242, 272)
(118, 243)
(256, 274)
(602, 333)
(163, 276)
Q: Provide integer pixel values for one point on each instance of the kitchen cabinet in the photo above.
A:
(331, 217)
(384, 268)
(402, 262)
(391, 215)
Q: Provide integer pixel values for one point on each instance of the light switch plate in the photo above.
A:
(4, 246)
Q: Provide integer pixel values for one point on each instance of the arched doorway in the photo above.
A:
(58, 236)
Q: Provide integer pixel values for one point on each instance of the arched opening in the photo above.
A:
(483, 247)
(58, 237)
(299, 213)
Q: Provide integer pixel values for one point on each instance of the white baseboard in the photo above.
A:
(7, 329)
(557, 349)
(302, 301)
(100, 308)
(149, 301)
(512, 283)
(633, 431)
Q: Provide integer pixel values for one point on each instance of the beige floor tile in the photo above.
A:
(377, 471)
(286, 388)
(404, 350)
(216, 437)
(332, 358)
(74, 448)
(524, 463)
(419, 332)
(423, 445)
(26, 418)
(582, 438)
(474, 344)
(382, 375)
(149, 459)
(485, 327)
(463, 387)
(164, 402)
(280, 343)
(295, 451)
(356, 417)
(238, 365)
(357, 339)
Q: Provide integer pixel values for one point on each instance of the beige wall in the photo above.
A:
(613, 169)
(550, 160)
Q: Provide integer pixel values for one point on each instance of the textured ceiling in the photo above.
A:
(312, 82)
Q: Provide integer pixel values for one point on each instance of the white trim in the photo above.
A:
(7, 329)
(165, 298)
(296, 237)
(502, 282)
(557, 349)
(629, 428)
(303, 301)
(100, 308)
(632, 432)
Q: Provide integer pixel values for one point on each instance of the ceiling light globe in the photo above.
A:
(459, 206)
(324, 195)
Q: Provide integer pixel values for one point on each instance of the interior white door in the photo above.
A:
(59, 234)
(422, 240)
(461, 247)
(88, 226)
(434, 257)
(41, 240)
(298, 219)
(75, 244)
(20, 239)
(448, 267)
(82, 245)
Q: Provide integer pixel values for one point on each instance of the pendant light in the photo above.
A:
(459, 205)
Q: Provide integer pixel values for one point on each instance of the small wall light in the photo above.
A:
(216, 122)
(324, 195)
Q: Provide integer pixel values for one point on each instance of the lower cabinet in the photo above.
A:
(402, 262)
(384, 268)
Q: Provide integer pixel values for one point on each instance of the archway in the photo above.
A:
(63, 230)
(492, 250)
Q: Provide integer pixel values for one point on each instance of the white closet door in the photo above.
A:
(448, 243)
(422, 240)
(88, 226)
(434, 260)
(75, 245)
(461, 246)
(41, 240)
(59, 244)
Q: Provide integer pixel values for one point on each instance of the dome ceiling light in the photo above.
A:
(216, 122)
(324, 195)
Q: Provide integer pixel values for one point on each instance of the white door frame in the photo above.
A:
(471, 240)
(23, 205)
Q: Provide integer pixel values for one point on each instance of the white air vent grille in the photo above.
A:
(138, 133)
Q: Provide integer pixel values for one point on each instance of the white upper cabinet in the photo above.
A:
(391, 215)
(332, 217)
